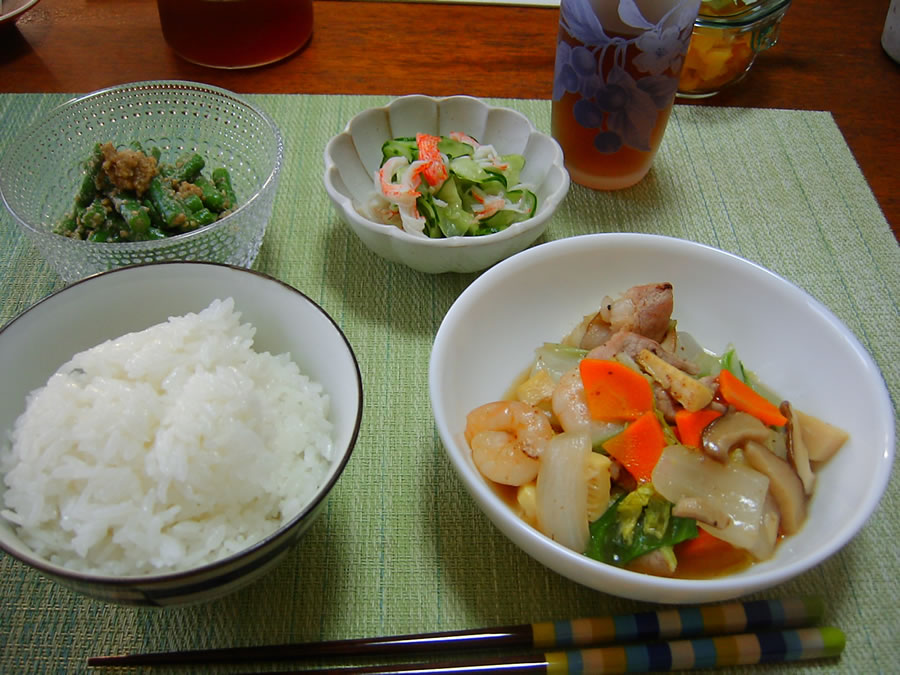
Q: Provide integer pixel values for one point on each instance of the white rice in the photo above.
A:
(164, 449)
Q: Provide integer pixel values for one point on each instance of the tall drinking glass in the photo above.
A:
(235, 33)
(617, 69)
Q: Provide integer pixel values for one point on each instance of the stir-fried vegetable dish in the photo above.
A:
(448, 186)
(127, 194)
(630, 443)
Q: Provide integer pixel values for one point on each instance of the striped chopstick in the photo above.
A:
(714, 652)
(680, 622)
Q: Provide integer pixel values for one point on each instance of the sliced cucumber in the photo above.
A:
(400, 147)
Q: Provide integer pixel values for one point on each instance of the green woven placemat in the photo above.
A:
(401, 547)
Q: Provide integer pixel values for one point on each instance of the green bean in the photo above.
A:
(68, 224)
(155, 219)
(201, 218)
(192, 203)
(222, 180)
(94, 160)
(135, 215)
(212, 198)
(87, 191)
(94, 215)
(188, 167)
(88, 188)
(110, 230)
(104, 211)
(163, 198)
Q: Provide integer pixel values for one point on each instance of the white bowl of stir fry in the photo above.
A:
(660, 420)
(444, 184)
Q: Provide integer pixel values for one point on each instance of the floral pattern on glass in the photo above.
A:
(623, 108)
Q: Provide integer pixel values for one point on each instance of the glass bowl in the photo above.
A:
(727, 37)
(41, 170)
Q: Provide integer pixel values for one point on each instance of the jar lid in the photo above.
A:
(723, 13)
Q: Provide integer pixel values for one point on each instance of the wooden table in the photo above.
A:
(829, 58)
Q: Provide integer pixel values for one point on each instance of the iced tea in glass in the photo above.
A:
(235, 33)
(617, 69)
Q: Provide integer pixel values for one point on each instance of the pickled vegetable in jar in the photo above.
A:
(727, 36)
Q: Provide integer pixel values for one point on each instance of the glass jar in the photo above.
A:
(727, 36)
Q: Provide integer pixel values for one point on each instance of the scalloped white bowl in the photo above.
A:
(352, 157)
(794, 343)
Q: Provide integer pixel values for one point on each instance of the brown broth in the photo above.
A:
(734, 561)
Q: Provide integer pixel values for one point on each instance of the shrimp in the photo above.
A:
(507, 439)
(569, 403)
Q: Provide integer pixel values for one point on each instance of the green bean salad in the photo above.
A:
(127, 194)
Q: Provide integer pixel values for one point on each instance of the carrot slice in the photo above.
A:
(690, 425)
(614, 392)
(702, 546)
(639, 446)
(742, 397)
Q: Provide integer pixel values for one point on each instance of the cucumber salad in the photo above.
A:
(448, 186)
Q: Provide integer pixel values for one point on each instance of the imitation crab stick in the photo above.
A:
(639, 446)
(690, 425)
(742, 397)
(614, 392)
(433, 167)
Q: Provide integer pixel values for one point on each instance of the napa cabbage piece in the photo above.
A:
(688, 349)
(637, 523)
(556, 359)
(562, 490)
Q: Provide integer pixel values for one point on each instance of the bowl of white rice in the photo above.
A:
(169, 431)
